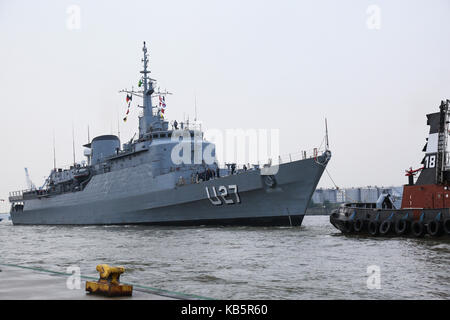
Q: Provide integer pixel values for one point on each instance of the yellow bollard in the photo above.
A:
(109, 284)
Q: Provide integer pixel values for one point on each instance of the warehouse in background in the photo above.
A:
(325, 200)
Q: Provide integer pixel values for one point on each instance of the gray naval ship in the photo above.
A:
(140, 183)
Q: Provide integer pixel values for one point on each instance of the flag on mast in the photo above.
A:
(162, 101)
(128, 109)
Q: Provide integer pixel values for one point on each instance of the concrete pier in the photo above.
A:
(25, 284)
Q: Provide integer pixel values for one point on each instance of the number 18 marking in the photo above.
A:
(430, 162)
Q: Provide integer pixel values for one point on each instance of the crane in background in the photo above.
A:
(30, 183)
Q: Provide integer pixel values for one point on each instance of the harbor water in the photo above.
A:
(312, 262)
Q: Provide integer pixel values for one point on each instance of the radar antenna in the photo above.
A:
(148, 121)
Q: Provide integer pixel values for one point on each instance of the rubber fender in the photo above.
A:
(434, 228)
(373, 227)
(402, 227)
(418, 229)
(446, 226)
(348, 226)
(358, 225)
(386, 227)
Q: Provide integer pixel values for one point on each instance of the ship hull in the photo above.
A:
(113, 200)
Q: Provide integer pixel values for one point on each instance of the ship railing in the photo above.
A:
(286, 158)
(15, 193)
(16, 196)
(302, 155)
(69, 167)
(192, 126)
(225, 171)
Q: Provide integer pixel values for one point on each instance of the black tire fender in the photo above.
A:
(434, 228)
(402, 227)
(358, 225)
(418, 229)
(348, 226)
(446, 226)
(373, 227)
(386, 227)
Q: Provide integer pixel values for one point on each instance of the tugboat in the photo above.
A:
(425, 202)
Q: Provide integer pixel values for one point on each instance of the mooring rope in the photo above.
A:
(337, 187)
(326, 170)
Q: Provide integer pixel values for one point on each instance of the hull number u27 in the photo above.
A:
(220, 195)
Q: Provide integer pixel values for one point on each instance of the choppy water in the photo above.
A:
(311, 262)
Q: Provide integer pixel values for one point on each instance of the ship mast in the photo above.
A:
(148, 118)
(443, 154)
(147, 121)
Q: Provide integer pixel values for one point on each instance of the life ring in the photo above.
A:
(385, 227)
(446, 226)
(373, 227)
(418, 229)
(358, 225)
(402, 227)
(434, 228)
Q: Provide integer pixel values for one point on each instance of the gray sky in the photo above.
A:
(251, 64)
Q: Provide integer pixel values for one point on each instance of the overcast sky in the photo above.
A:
(251, 64)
